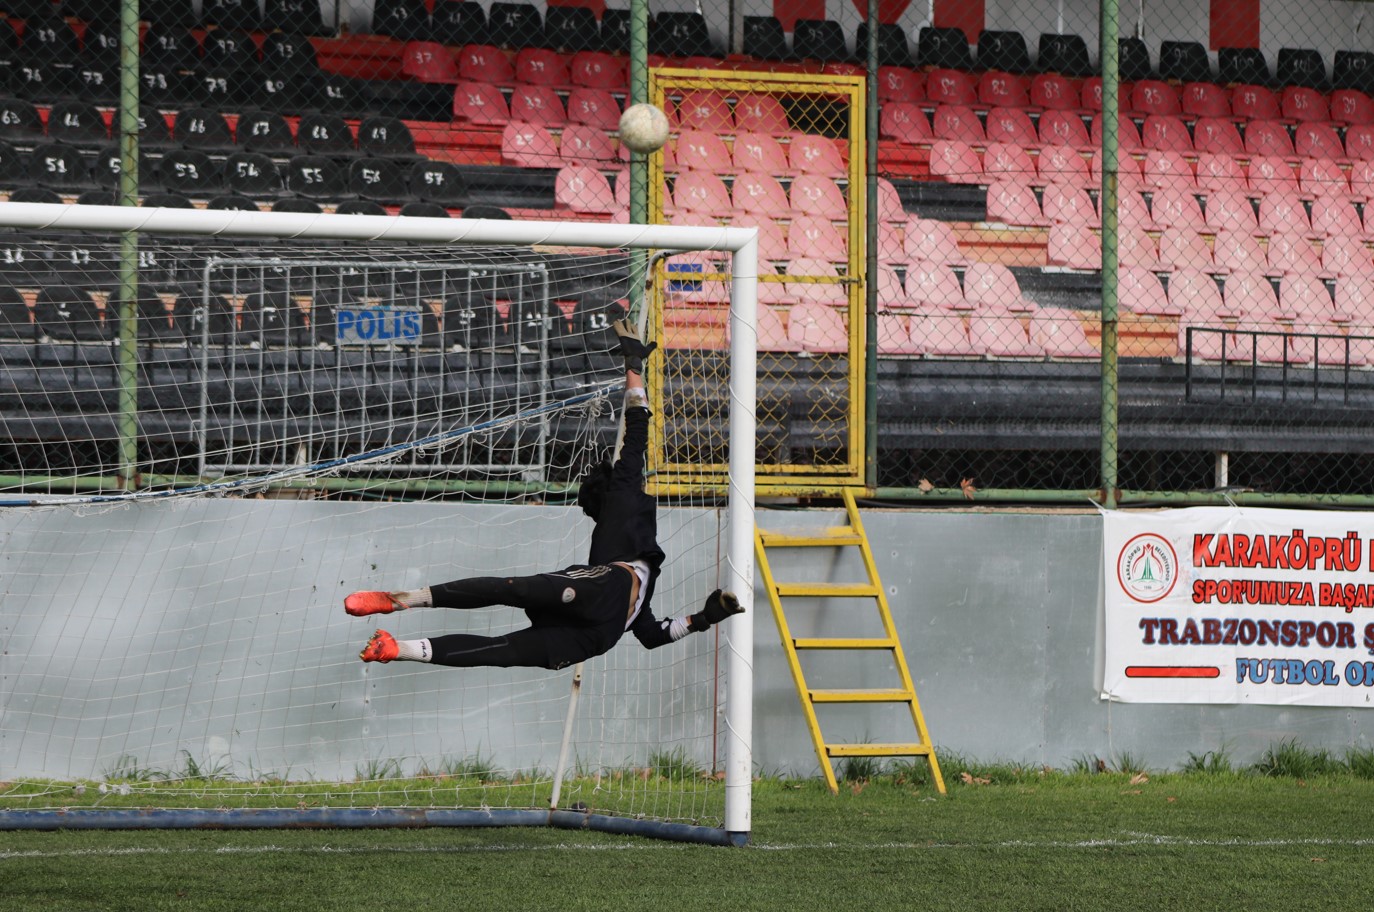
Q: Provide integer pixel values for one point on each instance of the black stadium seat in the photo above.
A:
(167, 200)
(233, 202)
(59, 166)
(325, 134)
(1133, 60)
(385, 136)
(95, 82)
(360, 207)
(170, 48)
(892, 45)
(380, 179)
(289, 53)
(819, 39)
(65, 313)
(79, 123)
(13, 167)
(681, 34)
(35, 195)
(1244, 66)
(191, 172)
(169, 87)
(569, 29)
(296, 204)
(16, 321)
(202, 128)
(1185, 61)
(300, 17)
(50, 39)
(615, 31)
(420, 209)
(169, 13)
(264, 131)
(100, 44)
(282, 91)
(765, 39)
(945, 47)
(1003, 50)
(1064, 54)
(224, 50)
(105, 12)
(438, 182)
(1353, 70)
(459, 22)
(252, 174)
(19, 120)
(405, 20)
(515, 25)
(1302, 67)
(241, 15)
(316, 177)
(40, 80)
(97, 197)
(226, 88)
(153, 131)
(342, 95)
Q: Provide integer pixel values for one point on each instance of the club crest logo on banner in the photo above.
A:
(1229, 605)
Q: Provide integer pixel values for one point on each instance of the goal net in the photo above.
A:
(298, 407)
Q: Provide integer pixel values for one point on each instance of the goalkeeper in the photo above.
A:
(580, 611)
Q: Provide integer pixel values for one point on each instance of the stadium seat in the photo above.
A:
(221, 50)
(1217, 135)
(594, 108)
(297, 17)
(1302, 67)
(201, 128)
(1204, 99)
(456, 22)
(955, 162)
(702, 150)
(1239, 250)
(900, 84)
(1186, 248)
(1003, 335)
(894, 336)
(1074, 246)
(945, 47)
(1134, 60)
(705, 110)
(1166, 169)
(1253, 102)
(1243, 66)
(1066, 55)
(1153, 96)
(1318, 140)
(958, 123)
(1140, 292)
(584, 145)
(765, 39)
(890, 208)
(1011, 125)
(1282, 211)
(934, 286)
(528, 145)
(1303, 298)
(1351, 107)
(1249, 294)
(438, 182)
(379, 179)
(569, 29)
(810, 236)
(597, 70)
(541, 66)
(761, 195)
(1006, 161)
(1346, 257)
(930, 240)
(944, 86)
(1270, 174)
(1062, 128)
(816, 194)
(1053, 92)
(1336, 216)
(1068, 203)
(1165, 132)
(904, 123)
(1184, 61)
(832, 294)
(1323, 177)
(1060, 334)
(1230, 209)
(1291, 254)
(1219, 172)
(228, 203)
(758, 152)
(64, 313)
(893, 49)
(1304, 105)
(480, 104)
(992, 286)
(405, 20)
(428, 61)
(515, 25)
(1197, 293)
(58, 166)
(614, 34)
(1175, 207)
(584, 190)
(1135, 247)
(78, 123)
(1352, 70)
(681, 34)
(325, 134)
(190, 172)
(420, 209)
(819, 39)
(484, 63)
(757, 113)
(314, 176)
(1128, 137)
(1362, 179)
(1268, 137)
(808, 153)
(538, 104)
(1062, 164)
(701, 192)
(1000, 89)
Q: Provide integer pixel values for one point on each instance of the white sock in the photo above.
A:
(414, 650)
(415, 598)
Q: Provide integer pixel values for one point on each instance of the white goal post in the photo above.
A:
(737, 550)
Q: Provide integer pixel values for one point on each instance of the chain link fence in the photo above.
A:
(1241, 303)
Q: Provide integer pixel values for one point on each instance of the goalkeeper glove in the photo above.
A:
(719, 606)
(631, 347)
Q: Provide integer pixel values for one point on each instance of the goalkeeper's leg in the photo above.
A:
(475, 592)
(533, 647)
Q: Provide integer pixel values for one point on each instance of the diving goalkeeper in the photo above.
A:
(580, 611)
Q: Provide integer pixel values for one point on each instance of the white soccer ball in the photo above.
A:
(643, 128)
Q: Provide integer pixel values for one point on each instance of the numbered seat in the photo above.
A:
(296, 204)
(459, 22)
(286, 92)
(538, 104)
(264, 131)
(380, 179)
(108, 164)
(584, 145)
(325, 134)
(202, 128)
(77, 122)
(190, 172)
(359, 207)
(385, 136)
(169, 48)
(58, 166)
(438, 182)
(316, 177)
(242, 15)
(233, 202)
(480, 103)
(593, 69)
(226, 89)
(820, 39)
(95, 82)
(485, 63)
(19, 121)
(405, 20)
(296, 17)
(252, 174)
(228, 50)
(66, 313)
(515, 25)
(569, 29)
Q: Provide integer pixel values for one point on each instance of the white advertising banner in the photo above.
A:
(1239, 605)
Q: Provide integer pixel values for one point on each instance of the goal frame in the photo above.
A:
(737, 634)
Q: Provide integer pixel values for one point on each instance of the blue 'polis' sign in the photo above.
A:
(378, 326)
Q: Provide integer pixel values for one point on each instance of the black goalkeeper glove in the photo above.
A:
(631, 347)
(719, 606)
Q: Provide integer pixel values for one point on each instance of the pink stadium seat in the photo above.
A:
(932, 241)
(1139, 292)
(1283, 211)
(1359, 142)
(890, 248)
(1068, 203)
(1230, 209)
(1013, 203)
(1333, 216)
(428, 61)
(943, 335)
(1169, 168)
(811, 154)
(998, 89)
(772, 238)
(701, 150)
(1166, 132)
(1006, 161)
(1355, 303)
(1217, 134)
(1074, 246)
(480, 103)
(832, 294)
(1131, 210)
(1215, 344)
(757, 113)
(1128, 137)
(759, 152)
(759, 194)
(809, 236)
(1318, 140)
(1268, 137)
(1257, 339)
(1304, 105)
(1351, 106)
(1204, 99)
(584, 190)
(1176, 207)
(817, 329)
(702, 192)
(1346, 257)
(1197, 294)
(584, 145)
(1185, 248)
(1063, 128)
(772, 333)
(1010, 125)
(1062, 164)
(894, 336)
(541, 66)
(1003, 336)
(1271, 174)
(537, 104)
(1240, 251)
(1135, 247)
(593, 107)
(597, 70)
(905, 123)
(529, 145)
(890, 208)
(1292, 254)
(705, 110)
(1217, 171)
(1323, 177)
(891, 294)
(956, 162)
(814, 194)
(992, 285)
(935, 286)
(1060, 333)
(1249, 294)
(945, 86)
(1303, 298)
(1252, 102)
(900, 84)
(1053, 92)
(484, 63)
(1153, 96)
(1362, 179)
(957, 122)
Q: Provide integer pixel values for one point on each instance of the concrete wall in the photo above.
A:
(213, 628)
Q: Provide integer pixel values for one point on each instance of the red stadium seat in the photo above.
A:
(1351, 106)
(484, 63)
(956, 162)
(1128, 137)
(1239, 250)
(1291, 254)
(1267, 137)
(809, 236)
(1230, 209)
(1283, 211)
(1166, 169)
(944, 335)
(1359, 142)
(1175, 207)
(905, 123)
(541, 66)
(994, 286)
(998, 89)
(702, 192)
(1252, 102)
(1067, 203)
(1013, 203)
(1335, 216)
(529, 145)
(1204, 99)
(816, 194)
(772, 334)
(955, 87)
(1270, 174)
(1304, 105)
(1135, 247)
(428, 61)
(1185, 248)
(1060, 333)
(1197, 294)
(1090, 94)
(1323, 177)
(1074, 246)
(1003, 336)
(890, 208)
(894, 336)
(1346, 257)
(931, 240)
(537, 104)
(702, 150)
(1011, 125)
(1318, 140)
(1216, 171)
(758, 194)
(935, 286)
(1152, 96)
(1218, 135)
(1139, 292)
(1054, 92)
(585, 145)
(756, 113)
(584, 190)
(1165, 132)
(814, 327)
(597, 70)
(891, 294)
(808, 153)
(759, 152)
(1304, 299)
(828, 293)
(901, 84)
(1006, 161)
(1249, 294)
(1362, 179)
(593, 107)
(1062, 164)
(957, 122)
(1063, 128)
(480, 103)
(1355, 302)
(705, 110)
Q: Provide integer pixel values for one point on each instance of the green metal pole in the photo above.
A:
(871, 257)
(1110, 146)
(639, 164)
(127, 129)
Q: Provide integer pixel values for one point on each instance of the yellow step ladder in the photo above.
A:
(837, 537)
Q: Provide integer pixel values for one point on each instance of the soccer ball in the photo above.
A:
(643, 128)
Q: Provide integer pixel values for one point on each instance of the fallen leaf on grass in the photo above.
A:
(969, 779)
(1318, 860)
(1139, 779)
